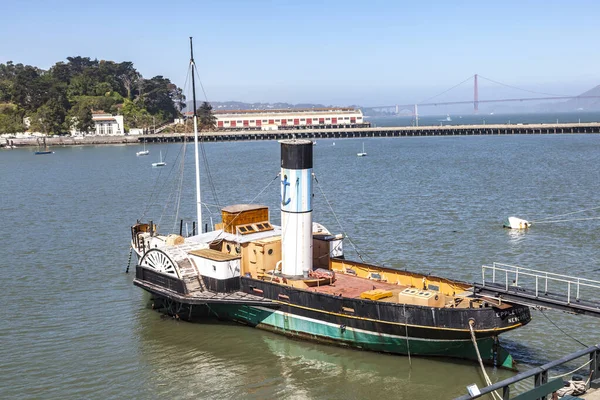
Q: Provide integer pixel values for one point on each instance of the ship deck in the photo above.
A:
(352, 286)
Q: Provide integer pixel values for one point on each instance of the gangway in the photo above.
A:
(536, 288)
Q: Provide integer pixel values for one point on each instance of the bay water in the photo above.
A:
(73, 326)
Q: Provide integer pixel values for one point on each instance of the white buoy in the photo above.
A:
(516, 223)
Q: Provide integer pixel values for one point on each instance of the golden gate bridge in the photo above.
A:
(476, 101)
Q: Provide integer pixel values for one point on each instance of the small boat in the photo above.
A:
(362, 153)
(46, 150)
(295, 280)
(143, 152)
(161, 163)
(516, 223)
(447, 119)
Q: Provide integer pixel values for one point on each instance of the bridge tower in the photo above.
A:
(475, 95)
(416, 115)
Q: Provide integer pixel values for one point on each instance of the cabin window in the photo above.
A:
(229, 248)
(375, 276)
(348, 310)
(283, 297)
(270, 252)
(238, 249)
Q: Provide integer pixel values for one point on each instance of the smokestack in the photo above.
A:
(296, 207)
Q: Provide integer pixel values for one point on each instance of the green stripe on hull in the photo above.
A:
(319, 331)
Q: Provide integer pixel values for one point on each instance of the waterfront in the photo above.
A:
(74, 326)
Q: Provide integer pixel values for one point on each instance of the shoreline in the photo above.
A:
(313, 133)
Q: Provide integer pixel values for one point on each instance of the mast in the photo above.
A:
(198, 202)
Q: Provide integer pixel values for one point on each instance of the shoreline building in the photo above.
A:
(312, 118)
(108, 124)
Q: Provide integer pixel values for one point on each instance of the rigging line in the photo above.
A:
(201, 85)
(524, 90)
(204, 157)
(445, 91)
(180, 188)
(153, 194)
(209, 173)
(165, 184)
(560, 329)
(564, 215)
(567, 220)
(337, 219)
(251, 201)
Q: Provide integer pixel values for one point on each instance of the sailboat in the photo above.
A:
(143, 152)
(161, 163)
(362, 153)
(45, 151)
(295, 280)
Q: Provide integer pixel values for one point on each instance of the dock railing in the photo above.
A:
(510, 275)
(542, 385)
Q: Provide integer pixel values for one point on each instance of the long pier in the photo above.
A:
(327, 133)
(397, 131)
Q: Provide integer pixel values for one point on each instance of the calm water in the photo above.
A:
(487, 118)
(73, 325)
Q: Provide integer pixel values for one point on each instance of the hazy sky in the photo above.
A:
(333, 52)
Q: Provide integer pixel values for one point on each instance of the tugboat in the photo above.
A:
(294, 280)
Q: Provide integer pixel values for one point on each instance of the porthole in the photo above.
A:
(270, 252)
(229, 248)
(238, 249)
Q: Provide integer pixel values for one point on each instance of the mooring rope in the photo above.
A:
(570, 372)
(406, 330)
(560, 329)
(543, 220)
(485, 375)
(565, 220)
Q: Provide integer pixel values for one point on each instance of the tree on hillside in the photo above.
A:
(135, 116)
(159, 95)
(11, 119)
(67, 92)
(80, 118)
(206, 116)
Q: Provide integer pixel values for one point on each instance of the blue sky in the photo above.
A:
(332, 52)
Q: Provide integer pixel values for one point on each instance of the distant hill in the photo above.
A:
(578, 104)
(585, 104)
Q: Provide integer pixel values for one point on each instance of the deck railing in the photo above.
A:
(510, 275)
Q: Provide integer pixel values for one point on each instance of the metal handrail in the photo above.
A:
(543, 275)
(540, 374)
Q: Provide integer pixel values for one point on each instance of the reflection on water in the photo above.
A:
(222, 360)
